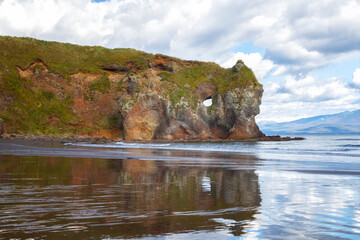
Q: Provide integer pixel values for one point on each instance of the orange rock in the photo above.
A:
(144, 119)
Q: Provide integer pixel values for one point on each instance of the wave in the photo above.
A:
(238, 147)
(149, 145)
(350, 146)
(329, 172)
(348, 150)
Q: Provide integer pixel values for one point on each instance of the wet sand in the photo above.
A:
(253, 190)
(90, 139)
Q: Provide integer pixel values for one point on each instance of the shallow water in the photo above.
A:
(266, 190)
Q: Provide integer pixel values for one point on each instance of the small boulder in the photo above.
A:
(239, 64)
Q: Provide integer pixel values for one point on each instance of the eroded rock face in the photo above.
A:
(145, 119)
(230, 117)
(151, 113)
(206, 90)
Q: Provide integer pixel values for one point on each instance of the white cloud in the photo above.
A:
(305, 97)
(297, 36)
(356, 77)
(290, 111)
(313, 89)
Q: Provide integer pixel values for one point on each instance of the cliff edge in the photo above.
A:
(57, 88)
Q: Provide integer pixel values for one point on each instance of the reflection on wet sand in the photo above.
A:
(83, 198)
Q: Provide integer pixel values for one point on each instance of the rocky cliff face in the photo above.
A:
(137, 96)
(158, 111)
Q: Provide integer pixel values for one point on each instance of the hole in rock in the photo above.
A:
(208, 102)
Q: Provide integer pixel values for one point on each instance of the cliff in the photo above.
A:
(57, 88)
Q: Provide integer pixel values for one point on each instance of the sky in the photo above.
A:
(305, 53)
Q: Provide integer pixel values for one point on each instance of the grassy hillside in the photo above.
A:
(30, 107)
(26, 108)
(63, 58)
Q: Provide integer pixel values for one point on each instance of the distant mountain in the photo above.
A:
(340, 123)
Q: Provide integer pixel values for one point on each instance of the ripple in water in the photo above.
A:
(267, 190)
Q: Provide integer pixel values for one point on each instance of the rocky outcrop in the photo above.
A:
(154, 109)
(123, 93)
(152, 105)
(154, 117)
(237, 67)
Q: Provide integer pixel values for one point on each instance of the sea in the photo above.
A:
(307, 189)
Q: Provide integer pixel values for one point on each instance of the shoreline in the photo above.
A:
(101, 140)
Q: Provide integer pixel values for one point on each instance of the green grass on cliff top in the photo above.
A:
(64, 58)
(67, 59)
(223, 79)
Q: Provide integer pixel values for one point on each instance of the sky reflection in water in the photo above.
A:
(255, 191)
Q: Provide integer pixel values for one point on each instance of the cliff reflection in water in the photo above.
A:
(54, 197)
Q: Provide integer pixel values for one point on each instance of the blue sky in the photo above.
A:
(305, 53)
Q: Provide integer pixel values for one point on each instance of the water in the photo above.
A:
(266, 190)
